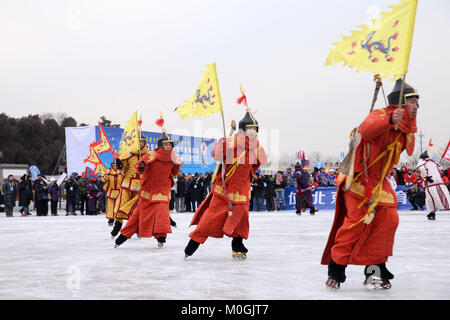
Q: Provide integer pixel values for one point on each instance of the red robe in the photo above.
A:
(213, 217)
(354, 242)
(152, 216)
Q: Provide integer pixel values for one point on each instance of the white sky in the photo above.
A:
(92, 58)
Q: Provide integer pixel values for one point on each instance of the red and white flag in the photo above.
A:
(446, 154)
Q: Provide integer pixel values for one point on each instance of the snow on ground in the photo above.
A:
(73, 257)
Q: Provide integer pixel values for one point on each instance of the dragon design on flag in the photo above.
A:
(379, 46)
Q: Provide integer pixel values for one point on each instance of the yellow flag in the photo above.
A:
(100, 168)
(382, 47)
(93, 157)
(130, 138)
(103, 145)
(206, 99)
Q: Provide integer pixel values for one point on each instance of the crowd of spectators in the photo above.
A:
(42, 196)
(188, 191)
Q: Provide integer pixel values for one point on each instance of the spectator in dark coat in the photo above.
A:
(25, 194)
(180, 193)
(81, 194)
(258, 191)
(195, 188)
(41, 196)
(71, 188)
(269, 191)
(53, 189)
(10, 192)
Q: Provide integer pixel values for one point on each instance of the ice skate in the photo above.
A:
(431, 216)
(239, 255)
(161, 241)
(336, 275)
(332, 283)
(173, 223)
(376, 283)
(239, 251)
(378, 277)
(110, 222)
(120, 239)
(191, 247)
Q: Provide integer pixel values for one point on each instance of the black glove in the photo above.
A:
(119, 164)
(141, 166)
(430, 180)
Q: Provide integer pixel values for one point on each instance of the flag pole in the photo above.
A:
(402, 89)
(377, 78)
(230, 206)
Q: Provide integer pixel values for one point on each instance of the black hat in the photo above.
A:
(248, 121)
(408, 91)
(424, 155)
(164, 138)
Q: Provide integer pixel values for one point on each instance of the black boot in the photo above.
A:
(377, 276)
(238, 246)
(239, 250)
(120, 239)
(110, 222)
(431, 216)
(173, 223)
(161, 241)
(116, 228)
(336, 275)
(191, 247)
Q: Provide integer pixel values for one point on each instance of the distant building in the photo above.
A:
(17, 170)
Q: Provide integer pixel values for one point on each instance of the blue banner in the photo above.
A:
(34, 171)
(324, 198)
(194, 152)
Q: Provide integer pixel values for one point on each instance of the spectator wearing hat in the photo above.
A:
(10, 192)
(53, 190)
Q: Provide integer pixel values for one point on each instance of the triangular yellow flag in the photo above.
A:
(130, 138)
(206, 99)
(93, 157)
(382, 47)
(103, 145)
(100, 168)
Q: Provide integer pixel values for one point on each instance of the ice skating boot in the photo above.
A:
(161, 241)
(377, 277)
(336, 275)
(110, 222)
(191, 247)
(239, 250)
(120, 239)
(116, 229)
(312, 211)
(173, 223)
(431, 216)
(298, 212)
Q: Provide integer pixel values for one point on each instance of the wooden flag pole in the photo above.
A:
(402, 88)
(377, 78)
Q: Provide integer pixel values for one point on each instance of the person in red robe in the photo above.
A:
(366, 216)
(225, 210)
(151, 217)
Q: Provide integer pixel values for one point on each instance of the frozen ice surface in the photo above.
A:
(73, 257)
